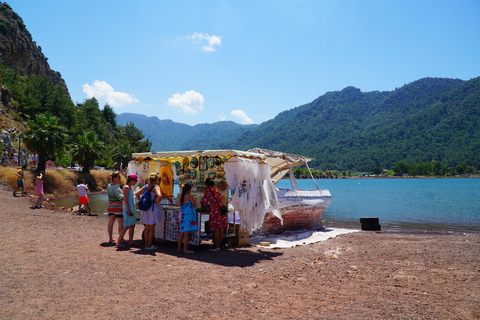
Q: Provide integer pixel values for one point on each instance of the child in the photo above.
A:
(187, 218)
(39, 190)
(83, 198)
(20, 181)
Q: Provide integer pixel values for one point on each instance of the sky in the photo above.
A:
(246, 61)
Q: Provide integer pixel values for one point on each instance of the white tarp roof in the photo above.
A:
(278, 161)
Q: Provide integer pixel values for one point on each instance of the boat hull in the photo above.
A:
(300, 209)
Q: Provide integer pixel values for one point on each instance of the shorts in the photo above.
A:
(119, 216)
(83, 199)
(19, 183)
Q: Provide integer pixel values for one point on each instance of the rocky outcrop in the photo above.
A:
(19, 51)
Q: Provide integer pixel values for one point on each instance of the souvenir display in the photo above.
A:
(222, 185)
(194, 162)
(185, 162)
(202, 176)
(210, 163)
(211, 175)
(218, 161)
(203, 164)
(193, 174)
(224, 160)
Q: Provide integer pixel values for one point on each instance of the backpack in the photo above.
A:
(145, 201)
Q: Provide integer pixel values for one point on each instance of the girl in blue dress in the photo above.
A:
(187, 217)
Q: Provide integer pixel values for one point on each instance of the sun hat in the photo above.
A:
(134, 177)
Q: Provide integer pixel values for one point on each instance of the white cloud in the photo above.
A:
(242, 116)
(213, 41)
(104, 93)
(222, 117)
(189, 102)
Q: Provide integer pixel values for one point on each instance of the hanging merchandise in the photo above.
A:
(166, 183)
(254, 193)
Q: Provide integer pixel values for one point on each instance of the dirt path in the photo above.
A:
(54, 265)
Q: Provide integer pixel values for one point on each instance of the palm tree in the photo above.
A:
(44, 136)
(86, 150)
(123, 153)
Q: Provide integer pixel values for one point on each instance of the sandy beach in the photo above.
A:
(55, 265)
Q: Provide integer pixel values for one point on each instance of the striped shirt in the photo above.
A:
(115, 198)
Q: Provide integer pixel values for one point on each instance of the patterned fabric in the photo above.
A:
(39, 187)
(115, 198)
(187, 217)
(216, 220)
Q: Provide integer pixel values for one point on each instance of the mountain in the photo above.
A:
(19, 51)
(428, 119)
(167, 135)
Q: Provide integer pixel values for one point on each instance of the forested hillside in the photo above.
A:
(428, 119)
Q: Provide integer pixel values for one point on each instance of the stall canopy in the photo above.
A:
(280, 162)
(173, 156)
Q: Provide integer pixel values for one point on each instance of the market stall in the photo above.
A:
(245, 176)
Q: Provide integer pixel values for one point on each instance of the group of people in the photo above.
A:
(122, 204)
(12, 158)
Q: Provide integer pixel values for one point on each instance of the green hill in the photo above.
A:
(428, 119)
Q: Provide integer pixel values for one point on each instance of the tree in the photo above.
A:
(123, 153)
(44, 136)
(86, 150)
(109, 115)
(134, 136)
(400, 168)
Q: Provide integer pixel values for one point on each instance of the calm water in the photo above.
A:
(435, 204)
(402, 204)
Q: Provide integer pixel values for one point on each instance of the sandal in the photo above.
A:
(120, 245)
(188, 251)
(214, 249)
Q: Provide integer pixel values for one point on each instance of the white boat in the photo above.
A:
(299, 208)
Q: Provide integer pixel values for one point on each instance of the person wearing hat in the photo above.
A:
(129, 211)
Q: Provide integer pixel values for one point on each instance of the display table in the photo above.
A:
(168, 228)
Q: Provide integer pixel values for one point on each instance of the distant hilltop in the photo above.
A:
(19, 51)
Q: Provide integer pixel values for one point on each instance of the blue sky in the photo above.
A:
(246, 61)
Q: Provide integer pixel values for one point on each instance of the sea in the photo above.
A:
(402, 204)
(412, 205)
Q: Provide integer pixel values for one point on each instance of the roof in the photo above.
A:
(279, 162)
(173, 156)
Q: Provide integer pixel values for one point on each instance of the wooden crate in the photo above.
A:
(242, 237)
